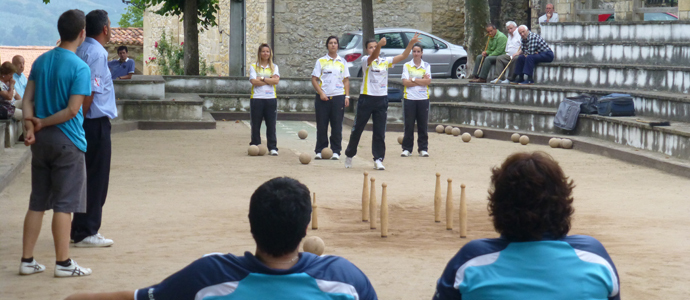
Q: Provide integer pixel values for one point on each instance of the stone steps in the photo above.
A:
(240, 102)
(673, 140)
(606, 32)
(615, 76)
(627, 53)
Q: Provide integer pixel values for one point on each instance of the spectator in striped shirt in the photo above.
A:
(534, 50)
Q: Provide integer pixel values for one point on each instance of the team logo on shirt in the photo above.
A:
(96, 82)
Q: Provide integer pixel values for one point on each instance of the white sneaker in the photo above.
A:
(378, 165)
(274, 152)
(405, 153)
(96, 240)
(495, 81)
(505, 81)
(317, 156)
(74, 270)
(32, 267)
(423, 153)
(335, 156)
(348, 162)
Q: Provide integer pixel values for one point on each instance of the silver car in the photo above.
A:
(446, 59)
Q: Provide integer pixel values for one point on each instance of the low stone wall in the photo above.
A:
(140, 88)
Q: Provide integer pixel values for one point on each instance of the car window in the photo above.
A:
(426, 41)
(393, 40)
(441, 45)
(349, 41)
(658, 17)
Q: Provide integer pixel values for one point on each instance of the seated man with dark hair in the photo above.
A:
(121, 68)
(530, 201)
(279, 213)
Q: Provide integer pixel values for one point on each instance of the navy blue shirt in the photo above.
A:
(227, 277)
(118, 68)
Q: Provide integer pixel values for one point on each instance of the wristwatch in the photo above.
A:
(348, 97)
(262, 78)
(413, 78)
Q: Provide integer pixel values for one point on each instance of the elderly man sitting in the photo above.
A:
(503, 61)
(497, 47)
(534, 50)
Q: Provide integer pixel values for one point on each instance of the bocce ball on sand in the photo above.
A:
(304, 158)
(302, 134)
(455, 131)
(440, 129)
(449, 129)
(555, 142)
(314, 244)
(263, 150)
(566, 143)
(253, 150)
(326, 153)
(515, 137)
(400, 139)
(478, 133)
(524, 140)
(466, 137)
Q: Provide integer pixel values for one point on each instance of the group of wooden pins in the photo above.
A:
(369, 205)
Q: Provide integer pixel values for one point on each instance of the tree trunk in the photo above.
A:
(367, 23)
(191, 38)
(477, 15)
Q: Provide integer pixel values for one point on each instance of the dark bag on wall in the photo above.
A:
(588, 103)
(616, 105)
(567, 114)
(6, 110)
(395, 95)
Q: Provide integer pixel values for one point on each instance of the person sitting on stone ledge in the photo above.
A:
(512, 47)
(534, 50)
(550, 16)
(496, 48)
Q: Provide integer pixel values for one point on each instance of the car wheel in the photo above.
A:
(459, 70)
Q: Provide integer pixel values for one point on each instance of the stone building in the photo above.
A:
(300, 27)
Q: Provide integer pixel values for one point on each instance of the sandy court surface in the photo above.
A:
(176, 195)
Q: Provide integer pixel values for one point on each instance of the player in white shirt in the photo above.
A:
(416, 77)
(512, 47)
(263, 105)
(331, 80)
(373, 100)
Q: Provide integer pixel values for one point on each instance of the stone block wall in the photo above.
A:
(257, 29)
(302, 27)
(684, 9)
(448, 20)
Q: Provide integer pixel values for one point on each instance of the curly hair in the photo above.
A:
(530, 196)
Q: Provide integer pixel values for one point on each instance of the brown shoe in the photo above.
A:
(481, 80)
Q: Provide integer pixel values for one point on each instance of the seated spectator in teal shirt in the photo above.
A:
(121, 68)
(20, 80)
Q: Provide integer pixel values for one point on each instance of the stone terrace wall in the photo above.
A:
(302, 26)
(449, 20)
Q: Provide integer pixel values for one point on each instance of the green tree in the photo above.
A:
(201, 12)
(134, 15)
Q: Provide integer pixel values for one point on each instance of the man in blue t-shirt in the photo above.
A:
(279, 213)
(530, 200)
(123, 67)
(58, 83)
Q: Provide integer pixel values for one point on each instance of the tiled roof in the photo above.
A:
(30, 53)
(127, 36)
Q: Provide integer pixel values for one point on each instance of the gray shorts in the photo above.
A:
(58, 173)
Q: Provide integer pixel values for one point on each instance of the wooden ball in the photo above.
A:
(466, 137)
(253, 150)
(478, 133)
(314, 244)
(326, 153)
(304, 158)
(302, 134)
(455, 131)
(440, 129)
(515, 137)
(524, 140)
(263, 150)
(566, 144)
(555, 142)
(400, 139)
(449, 129)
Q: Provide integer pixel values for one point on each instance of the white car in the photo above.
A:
(446, 59)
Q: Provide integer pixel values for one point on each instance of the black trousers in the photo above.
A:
(331, 111)
(98, 152)
(375, 107)
(264, 109)
(416, 110)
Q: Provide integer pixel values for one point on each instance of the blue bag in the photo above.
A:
(616, 105)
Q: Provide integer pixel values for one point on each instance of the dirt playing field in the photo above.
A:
(176, 195)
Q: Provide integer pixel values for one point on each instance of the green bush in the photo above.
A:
(169, 57)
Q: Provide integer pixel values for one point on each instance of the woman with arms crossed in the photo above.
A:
(331, 80)
(264, 77)
(416, 77)
(373, 100)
